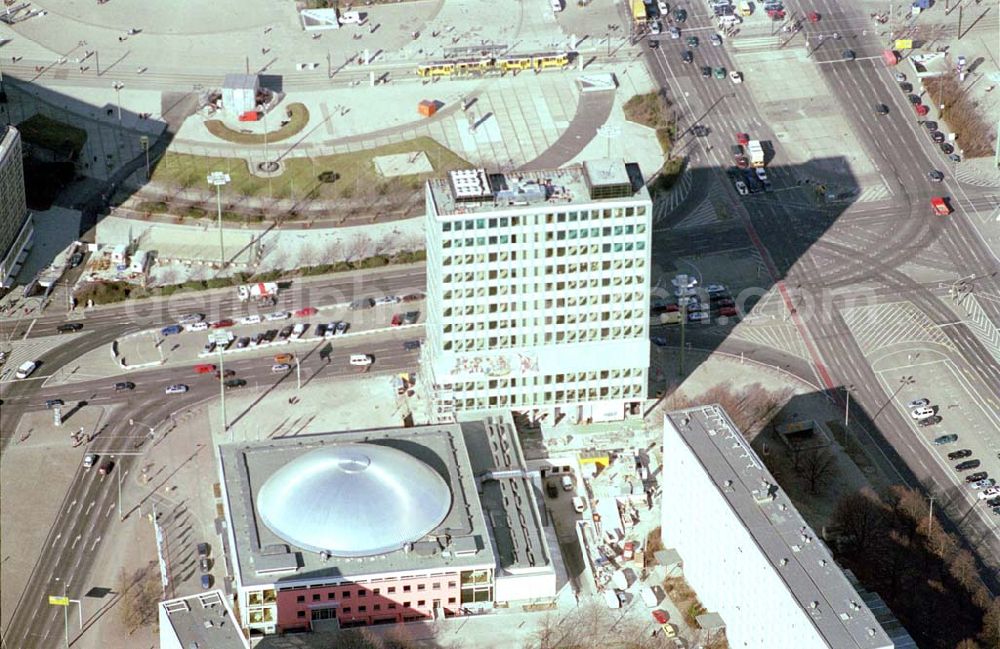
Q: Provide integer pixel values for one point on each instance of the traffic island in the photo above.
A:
(296, 119)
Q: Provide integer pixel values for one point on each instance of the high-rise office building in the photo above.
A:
(16, 227)
(538, 292)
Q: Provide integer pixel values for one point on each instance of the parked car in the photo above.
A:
(958, 455)
(171, 330)
(285, 332)
(411, 317)
(938, 137)
(387, 299)
(331, 330)
(680, 15)
(243, 342)
(706, 71)
(76, 259)
(698, 315)
(397, 319)
(270, 335)
(691, 41)
(989, 492)
(922, 413)
(968, 465)
(190, 318)
(206, 582)
(719, 72)
(741, 188)
(279, 368)
(976, 477)
(930, 421)
(305, 312)
(918, 403)
(687, 56)
(983, 484)
(196, 326)
(413, 297)
(277, 315)
(736, 77)
(221, 324)
(716, 39)
(52, 403)
(250, 319)
(728, 311)
(675, 32)
(68, 327)
(342, 327)
(411, 345)
(203, 564)
(945, 439)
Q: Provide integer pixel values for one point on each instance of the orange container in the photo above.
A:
(427, 108)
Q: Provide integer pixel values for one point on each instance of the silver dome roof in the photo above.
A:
(353, 500)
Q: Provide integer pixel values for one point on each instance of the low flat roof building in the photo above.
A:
(202, 621)
(378, 526)
(747, 551)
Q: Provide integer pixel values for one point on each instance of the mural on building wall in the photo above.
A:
(496, 366)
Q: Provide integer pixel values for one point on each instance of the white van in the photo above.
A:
(649, 597)
(729, 21)
(557, 5)
(611, 598)
(25, 369)
(360, 360)
(579, 505)
(567, 483)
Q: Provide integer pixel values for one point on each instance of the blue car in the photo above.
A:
(172, 329)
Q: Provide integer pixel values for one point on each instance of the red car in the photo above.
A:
(223, 323)
(397, 320)
(742, 162)
(921, 109)
(814, 16)
(728, 311)
(661, 617)
(940, 205)
(306, 311)
(743, 139)
(204, 369)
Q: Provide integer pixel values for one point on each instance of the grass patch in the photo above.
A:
(47, 133)
(974, 135)
(341, 176)
(153, 207)
(112, 292)
(652, 110)
(297, 114)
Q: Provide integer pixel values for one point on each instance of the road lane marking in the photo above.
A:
(56, 540)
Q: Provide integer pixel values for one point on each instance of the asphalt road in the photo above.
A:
(90, 510)
(859, 249)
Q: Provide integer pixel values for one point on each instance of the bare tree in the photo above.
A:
(139, 594)
(359, 247)
(308, 255)
(861, 519)
(817, 466)
(333, 251)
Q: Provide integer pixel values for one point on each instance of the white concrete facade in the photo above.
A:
(746, 551)
(538, 293)
(16, 227)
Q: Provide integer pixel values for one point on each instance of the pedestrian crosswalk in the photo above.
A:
(969, 175)
(703, 214)
(666, 202)
(873, 193)
(755, 44)
(19, 351)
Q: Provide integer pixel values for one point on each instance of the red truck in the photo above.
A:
(940, 206)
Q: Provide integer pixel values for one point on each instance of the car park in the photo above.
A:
(124, 386)
(171, 330)
(967, 465)
(945, 439)
(106, 467)
(976, 477)
(89, 459)
(958, 455)
(935, 176)
(68, 327)
(922, 413)
(177, 388)
(411, 345)
(25, 369)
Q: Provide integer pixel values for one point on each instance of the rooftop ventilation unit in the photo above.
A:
(470, 185)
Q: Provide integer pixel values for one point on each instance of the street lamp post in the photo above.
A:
(222, 389)
(118, 85)
(684, 289)
(847, 405)
(219, 178)
(298, 376)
